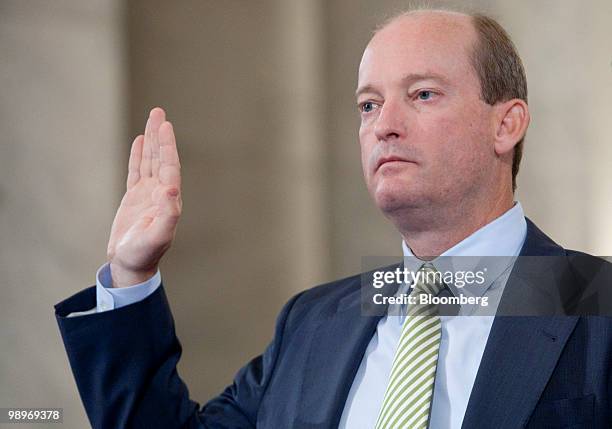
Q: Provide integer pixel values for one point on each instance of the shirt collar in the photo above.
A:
(493, 248)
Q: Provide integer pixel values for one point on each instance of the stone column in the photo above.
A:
(61, 165)
(241, 81)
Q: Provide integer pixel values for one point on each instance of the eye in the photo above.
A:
(366, 107)
(425, 95)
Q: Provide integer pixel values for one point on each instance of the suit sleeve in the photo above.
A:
(124, 362)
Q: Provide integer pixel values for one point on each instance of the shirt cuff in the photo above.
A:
(110, 298)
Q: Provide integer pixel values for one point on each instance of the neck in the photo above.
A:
(429, 234)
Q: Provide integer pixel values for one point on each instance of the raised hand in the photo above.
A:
(145, 223)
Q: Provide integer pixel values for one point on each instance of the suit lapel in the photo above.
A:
(518, 361)
(338, 346)
(522, 351)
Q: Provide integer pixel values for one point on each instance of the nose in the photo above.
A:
(390, 122)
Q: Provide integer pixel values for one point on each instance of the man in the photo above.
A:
(443, 104)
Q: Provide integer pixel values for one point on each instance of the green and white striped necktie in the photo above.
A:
(407, 400)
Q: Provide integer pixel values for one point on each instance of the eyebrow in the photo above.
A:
(406, 80)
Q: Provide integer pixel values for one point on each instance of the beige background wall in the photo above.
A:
(261, 96)
(62, 125)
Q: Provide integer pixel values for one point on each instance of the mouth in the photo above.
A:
(390, 160)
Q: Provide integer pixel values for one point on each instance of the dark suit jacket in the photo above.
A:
(537, 372)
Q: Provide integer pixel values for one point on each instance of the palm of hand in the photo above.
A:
(145, 222)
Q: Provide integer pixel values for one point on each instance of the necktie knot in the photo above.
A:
(428, 280)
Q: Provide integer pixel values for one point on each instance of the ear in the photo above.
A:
(511, 122)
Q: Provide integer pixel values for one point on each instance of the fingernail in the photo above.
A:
(173, 193)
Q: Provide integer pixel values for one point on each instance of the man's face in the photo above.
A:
(425, 133)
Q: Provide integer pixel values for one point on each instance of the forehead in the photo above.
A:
(420, 43)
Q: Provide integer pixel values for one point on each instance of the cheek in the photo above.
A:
(472, 159)
(438, 138)
(366, 143)
(456, 145)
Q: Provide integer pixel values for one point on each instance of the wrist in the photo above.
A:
(122, 277)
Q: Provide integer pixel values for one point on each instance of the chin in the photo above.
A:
(391, 198)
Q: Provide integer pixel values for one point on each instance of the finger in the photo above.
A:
(170, 166)
(145, 163)
(134, 162)
(158, 116)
